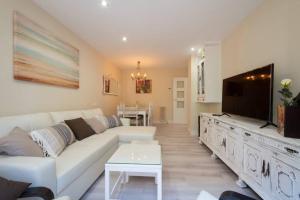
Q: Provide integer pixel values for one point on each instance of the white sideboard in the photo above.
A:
(263, 159)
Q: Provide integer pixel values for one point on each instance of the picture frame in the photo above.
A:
(41, 57)
(110, 86)
(143, 86)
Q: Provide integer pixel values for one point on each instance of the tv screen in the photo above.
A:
(250, 94)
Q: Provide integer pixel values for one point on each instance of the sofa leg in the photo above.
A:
(241, 183)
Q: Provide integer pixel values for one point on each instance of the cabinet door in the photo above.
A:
(201, 82)
(233, 152)
(285, 181)
(204, 135)
(202, 89)
(253, 163)
(203, 128)
(220, 141)
(210, 134)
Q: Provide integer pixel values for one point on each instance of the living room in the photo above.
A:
(106, 80)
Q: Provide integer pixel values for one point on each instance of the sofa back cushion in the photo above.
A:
(26, 122)
(59, 117)
(80, 128)
(92, 112)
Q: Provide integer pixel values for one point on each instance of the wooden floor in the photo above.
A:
(187, 169)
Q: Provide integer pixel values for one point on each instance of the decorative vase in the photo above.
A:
(281, 119)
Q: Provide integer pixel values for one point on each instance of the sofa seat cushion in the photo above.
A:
(128, 133)
(76, 158)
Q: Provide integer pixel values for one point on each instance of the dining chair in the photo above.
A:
(120, 108)
(149, 114)
(132, 114)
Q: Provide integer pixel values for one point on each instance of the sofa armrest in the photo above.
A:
(41, 172)
(125, 121)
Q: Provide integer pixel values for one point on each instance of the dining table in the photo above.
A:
(134, 110)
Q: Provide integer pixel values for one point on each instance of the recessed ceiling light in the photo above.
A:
(192, 49)
(124, 39)
(104, 3)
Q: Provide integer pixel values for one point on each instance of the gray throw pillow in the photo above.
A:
(96, 125)
(119, 122)
(19, 143)
(113, 121)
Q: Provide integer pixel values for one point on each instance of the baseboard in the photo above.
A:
(160, 122)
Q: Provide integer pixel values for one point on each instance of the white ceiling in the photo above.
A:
(160, 32)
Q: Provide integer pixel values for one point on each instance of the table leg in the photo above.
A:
(144, 119)
(126, 178)
(107, 184)
(159, 185)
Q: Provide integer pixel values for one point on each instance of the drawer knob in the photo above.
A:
(231, 128)
(289, 150)
(247, 134)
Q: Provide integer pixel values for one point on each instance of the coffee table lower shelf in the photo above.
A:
(156, 170)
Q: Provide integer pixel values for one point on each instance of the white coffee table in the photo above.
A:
(130, 158)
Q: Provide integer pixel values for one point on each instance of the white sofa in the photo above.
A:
(79, 165)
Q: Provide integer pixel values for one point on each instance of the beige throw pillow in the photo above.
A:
(96, 125)
(19, 143)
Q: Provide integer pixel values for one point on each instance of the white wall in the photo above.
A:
(18, 97)
(162, 84)
(271, 34)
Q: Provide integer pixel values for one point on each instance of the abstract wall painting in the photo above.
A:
(41, 57)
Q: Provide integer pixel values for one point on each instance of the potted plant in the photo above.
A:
(288, 113)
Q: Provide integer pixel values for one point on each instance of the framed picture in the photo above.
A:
(110, 86)
(143, 86)
(39, 56)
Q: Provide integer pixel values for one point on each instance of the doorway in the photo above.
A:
(180, 100)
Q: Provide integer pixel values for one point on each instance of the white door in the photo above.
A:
(180, 100)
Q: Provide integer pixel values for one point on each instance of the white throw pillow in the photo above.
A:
(103, 119)
(96, 125)
(53, 140)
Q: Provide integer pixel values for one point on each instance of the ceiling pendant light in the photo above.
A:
(124, 39)
(138, 75)
(104, 3)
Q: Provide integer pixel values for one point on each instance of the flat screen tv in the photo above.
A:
(250, 94)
